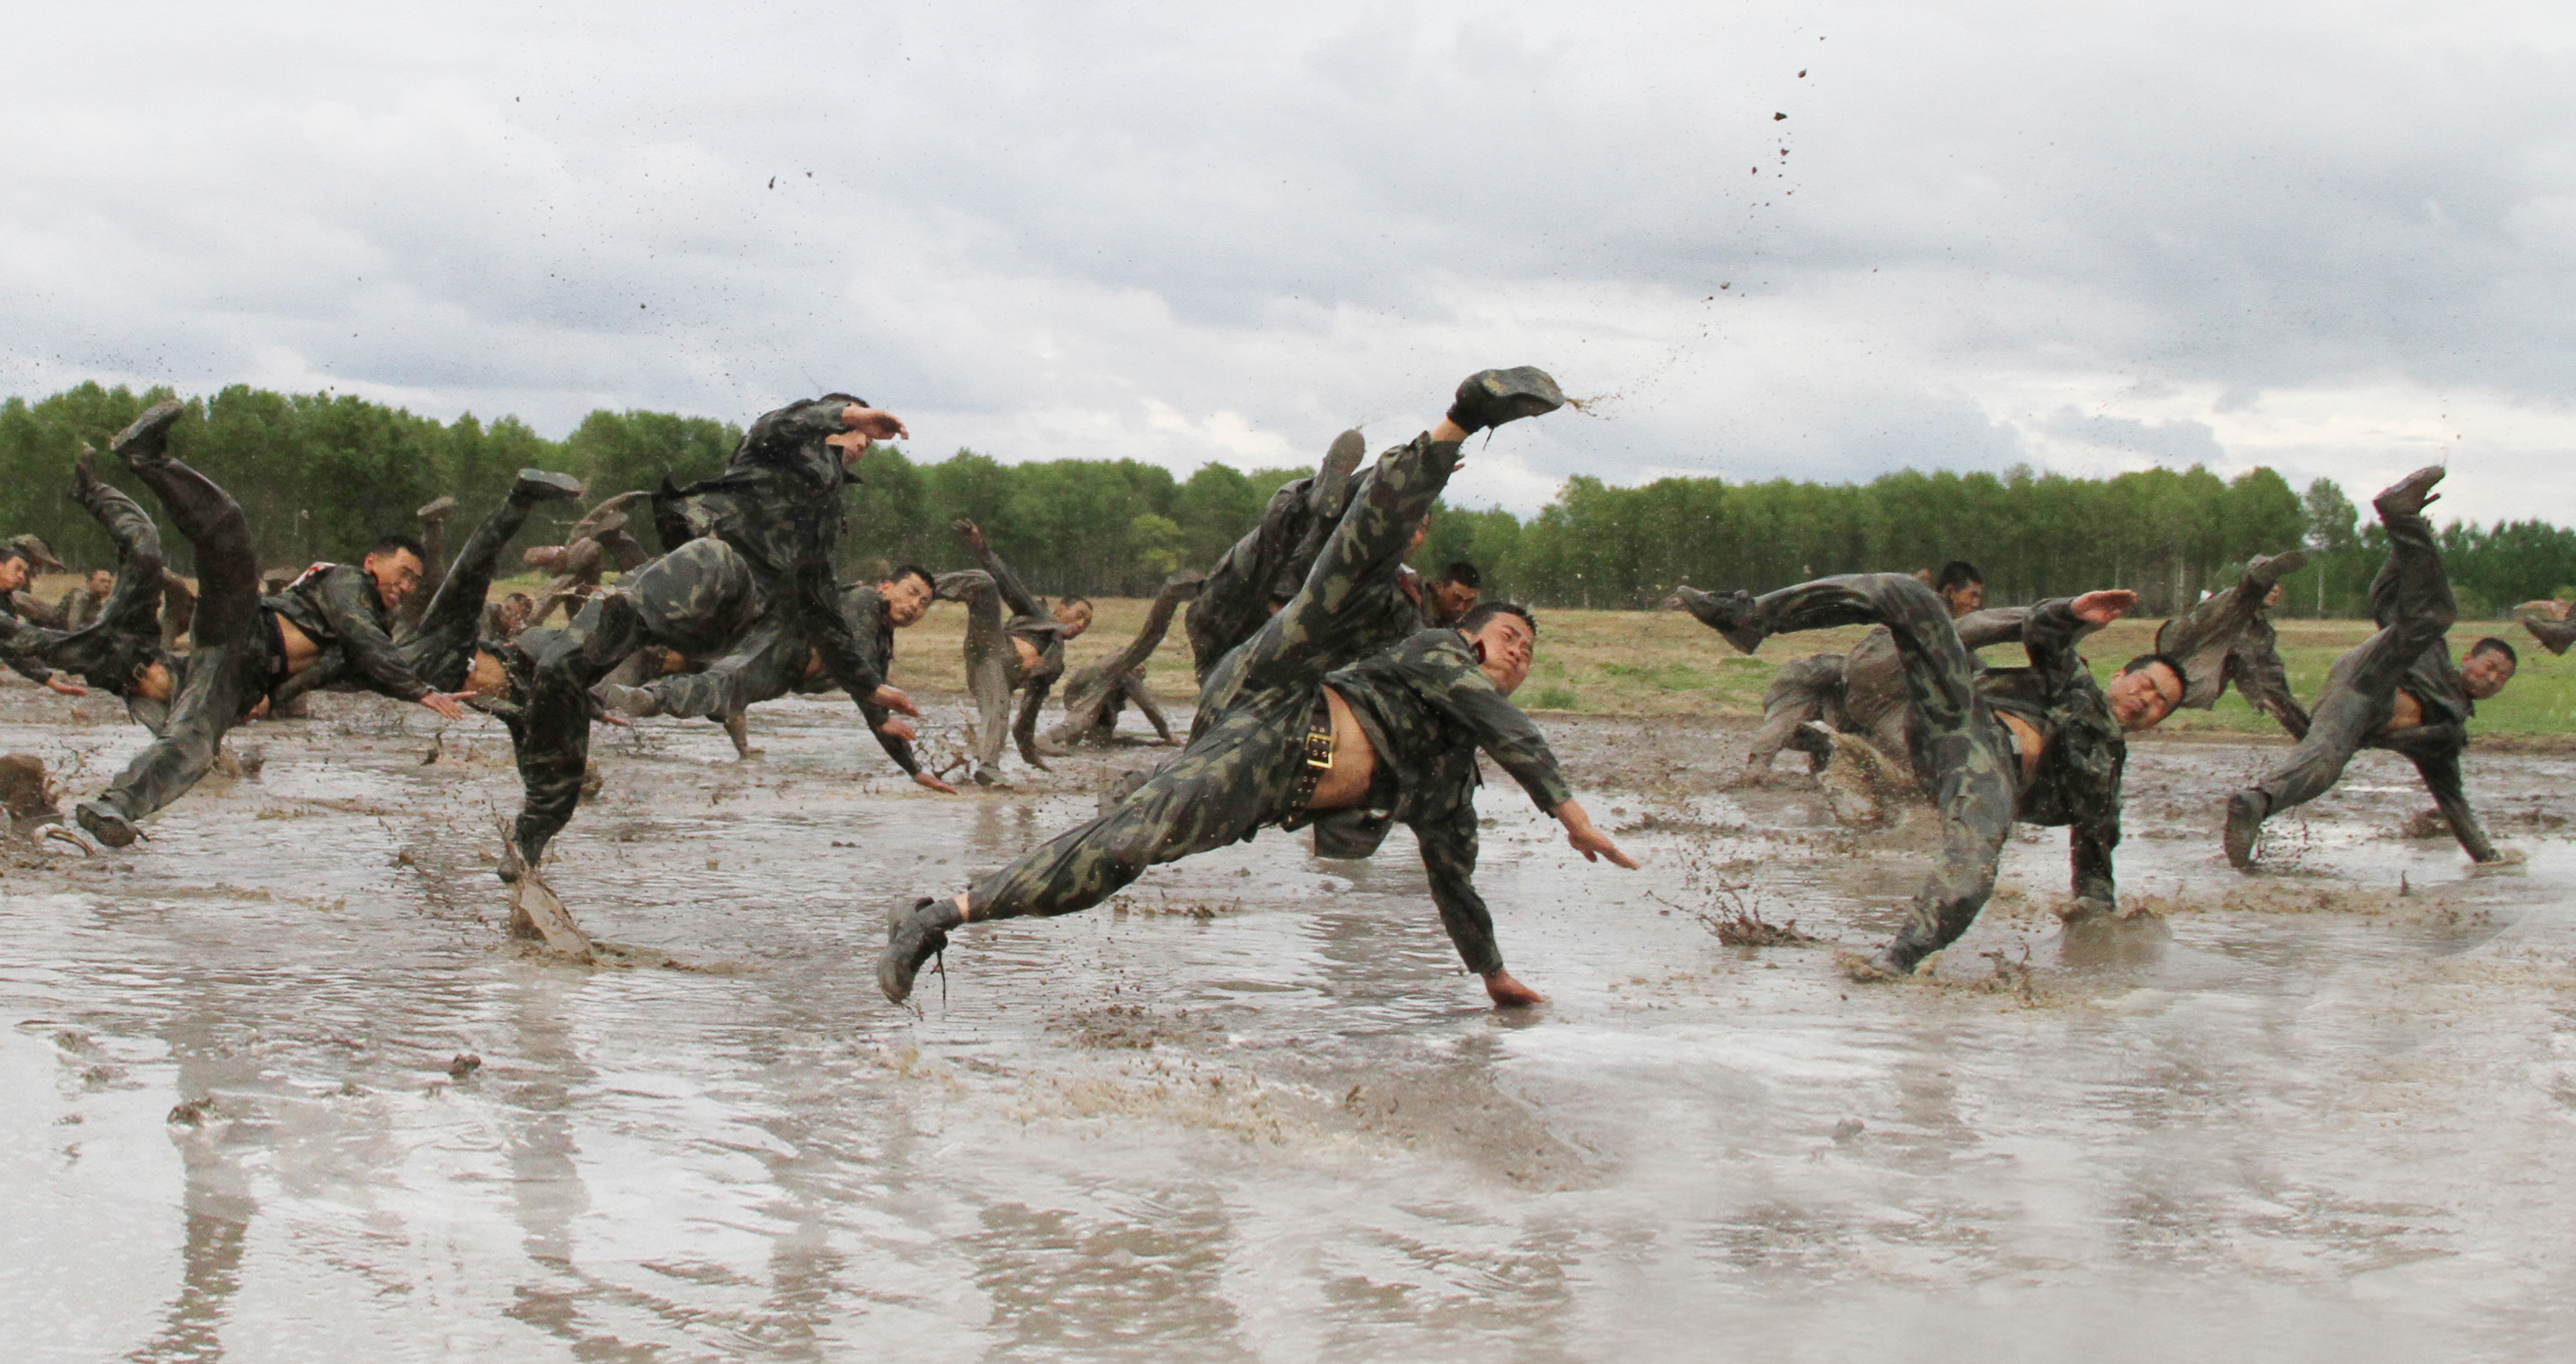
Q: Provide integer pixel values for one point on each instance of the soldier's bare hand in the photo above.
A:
(896, 727)
(1589, 841)
(934, 783)
(892, 698)
(2102, 608)
(1508, 993)
(875, 423)
(57, 683)
(444, 702)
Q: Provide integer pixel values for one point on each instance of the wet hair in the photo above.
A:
(2181, 674)
(2493, 645)
(898, 574)
(1083, 602)
(1463, 574)
(391, 543)
(842, 398)
(1483, 613)
(19, 553)
(1958, 573)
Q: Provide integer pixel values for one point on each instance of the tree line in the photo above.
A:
(322, 475)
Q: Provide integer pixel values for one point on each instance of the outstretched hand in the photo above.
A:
(934, 783)
(896, 727)
(875, 423)
(974, 533)
(1508, 993)
(67, 688)
(445, 703)
(892, 698)
(2102, 608)
(1589, 841)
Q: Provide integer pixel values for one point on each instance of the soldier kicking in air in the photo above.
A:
(1392, 739)
(2040, 744)
(1103, 688)
(1261, 571)
(1023, 654)
(333, 616)
(748, 584)
(2395, 690)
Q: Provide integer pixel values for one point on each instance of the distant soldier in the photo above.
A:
(1447, 600)
(1101, 689)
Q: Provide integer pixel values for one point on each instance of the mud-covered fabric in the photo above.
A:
(1241, 769)
(17, 643)
(228, 670)
(438, 648)
(80, 608)
(2554, 635)
(2224, 637)
(994, 668)
(1236, 598)
(2255, 669)
(124, 634)
(2412, 602)
(1803, 690)
(864, 608)
(779, 504)
(337, 607)
(1101, 688)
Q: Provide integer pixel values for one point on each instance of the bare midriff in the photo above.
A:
(1354, 760)
(2026, 738)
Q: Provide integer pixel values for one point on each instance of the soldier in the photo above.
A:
(119, 643)
(1102, 688)
(17, 569)
(2395, 690)
(748, 584)
(1023, 654)
(2228, 639)
(23, 602)
(81, 606)
(1447, 601)
(596, 543)
(1861, 693)
(1267, 566)
(332, 618)
(1353, 751)
(2040, 744)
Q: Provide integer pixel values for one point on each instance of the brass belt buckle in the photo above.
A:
(1319, 748)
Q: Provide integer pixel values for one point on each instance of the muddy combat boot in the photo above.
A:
(536, 485)
(1324, 497)
(2409, 496)
(436, 512)
(2267, 571)
(105, 823)
(916, 930)
(2246, 810)
(147, 441)
(1490, 398)
(1730, 614)
(2554, 635)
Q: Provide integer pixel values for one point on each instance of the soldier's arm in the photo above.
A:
(19, 645)
(817, 604)
(1449, 858)
(346, 601)
(790, 427)
(2437, 759)
(1014, 595)
(2048, 635)
(1449, 679)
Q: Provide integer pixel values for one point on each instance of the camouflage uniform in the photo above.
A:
(1862, 692)
(80, 608)
(1973, 768)
(1101, 689)
(1425, 705)
(122, 635)
(1269, 563)
(2226, 639)
(2411, 601)
(993, 664)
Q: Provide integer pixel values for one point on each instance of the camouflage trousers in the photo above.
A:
(126, 633)
(228, 669)
(700, 600)
(2412, 599)
(1962, 748)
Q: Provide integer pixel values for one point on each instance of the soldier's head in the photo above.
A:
(101, 582)
(1505, 637)
(488, 677)
(396, 563)
(15, 568)
(1962, 585)
(1459, 587)
(2490, 664)
(2146, 690)
(905, 595)
(1072, 617)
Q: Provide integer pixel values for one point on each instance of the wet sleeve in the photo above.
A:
(343, 599)
(2438, 762)
(19, 642)
(898, 749)
(1014, 595)
(1033, 695)
(1449, 859)
(788, 428)
(1992, 626)
(1458, 688)
(817, 603)
(2048, 635)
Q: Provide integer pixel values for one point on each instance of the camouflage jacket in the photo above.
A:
(864, 612)
(779, 504)
(337, 607)
(1427, 707)
(2078, 782)
(12, 627)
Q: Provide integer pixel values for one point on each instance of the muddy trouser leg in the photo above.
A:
(441, 648)
(1798, 693)
(763, 666)
(989, 656)
(227, 665)
(133, 607)
(2412, 596)
(1972, 762)
(552, 735)
(1235, 778)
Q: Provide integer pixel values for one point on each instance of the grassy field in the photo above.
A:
(1656, 663)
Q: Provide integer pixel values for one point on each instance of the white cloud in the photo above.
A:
(2330, 238)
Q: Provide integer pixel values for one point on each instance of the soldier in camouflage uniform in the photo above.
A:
(2040, 744)
(1024, 653)
(119, 641)
(1101, 689)
(17, 568)
(2227, 640)
(1861, 693)
(1295, 741)
(2395, 690)
(1267, 566)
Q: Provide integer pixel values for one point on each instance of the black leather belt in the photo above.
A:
(1316, 748)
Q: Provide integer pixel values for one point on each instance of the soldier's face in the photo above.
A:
(1072, 620)
(397, 575)
(907, 600)
(100, 582)
(1456, 598)
(1968, 597)
(2139, 700)
(2273, 597)
(13, 573)
(1508, 644)
(2485, 673)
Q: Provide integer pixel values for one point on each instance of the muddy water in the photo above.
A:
(1257, 1112)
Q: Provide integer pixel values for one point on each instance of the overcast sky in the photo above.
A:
(2339, 239)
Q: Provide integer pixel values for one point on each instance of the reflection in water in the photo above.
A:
(218, 1212)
